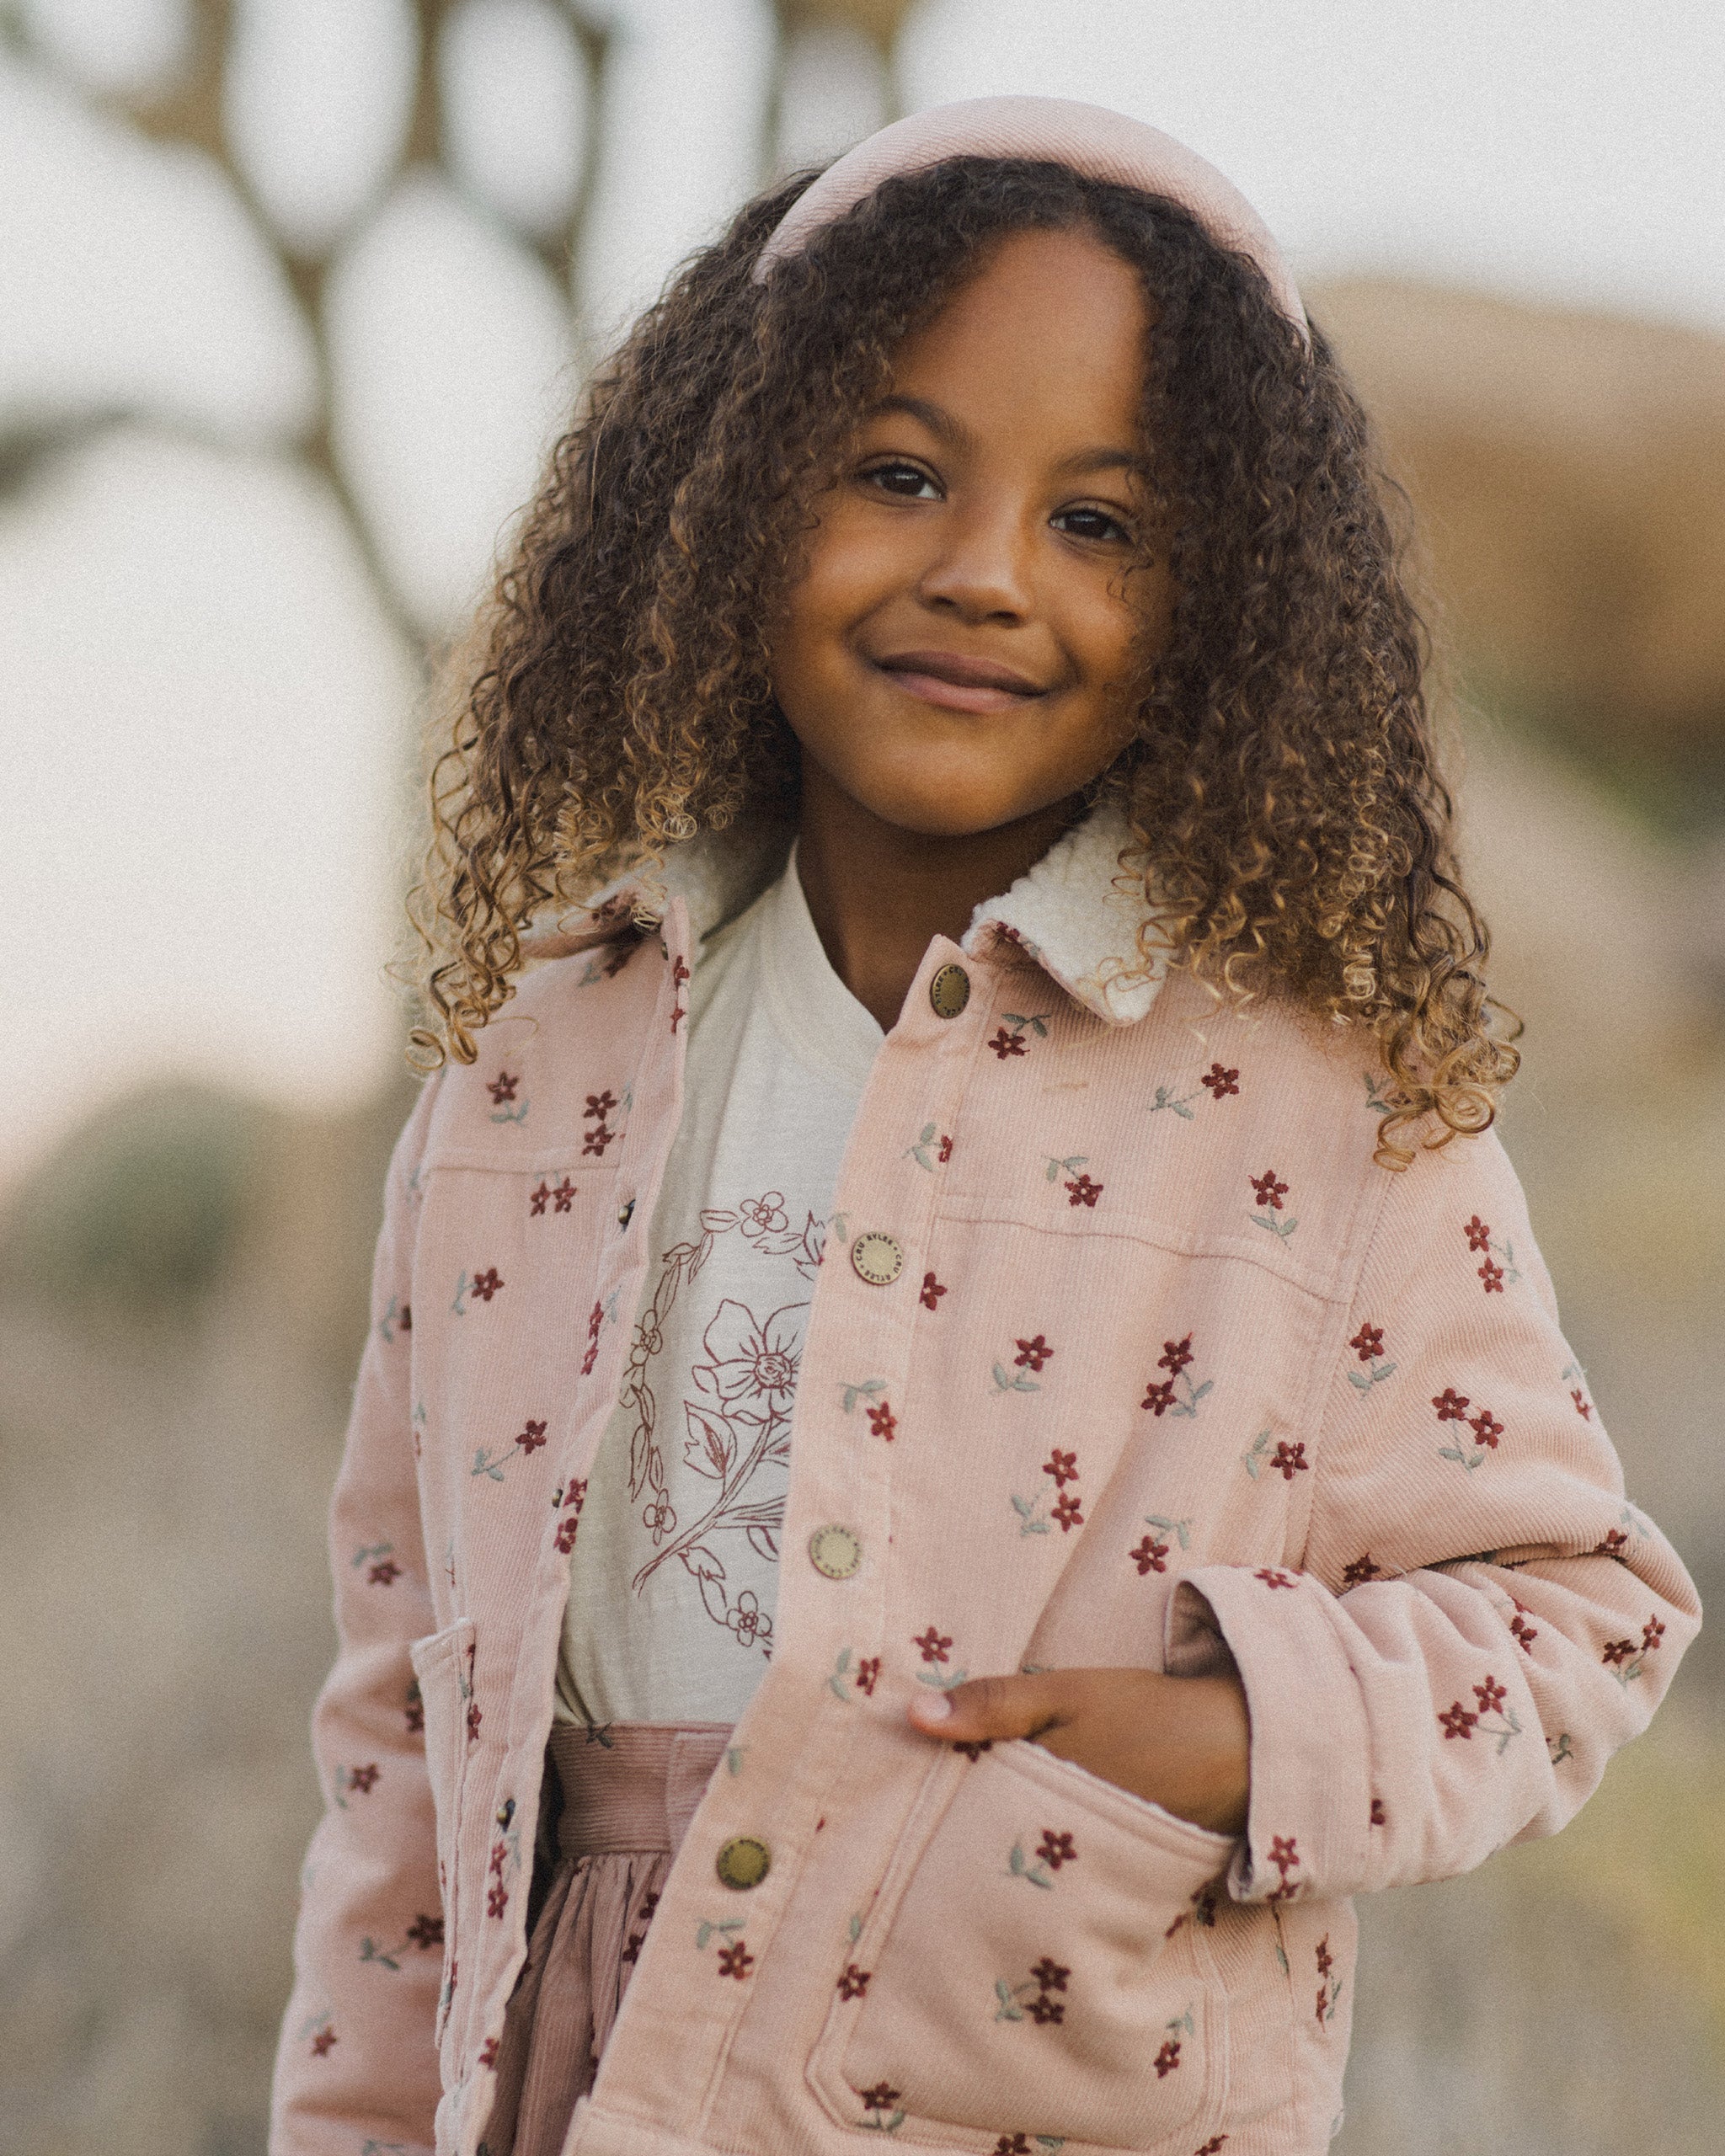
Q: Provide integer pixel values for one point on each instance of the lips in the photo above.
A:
(958, 682)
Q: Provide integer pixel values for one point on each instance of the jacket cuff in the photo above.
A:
(1309, 1822)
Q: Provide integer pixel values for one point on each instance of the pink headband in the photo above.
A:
(1091, 140)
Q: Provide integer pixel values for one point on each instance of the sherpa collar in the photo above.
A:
(1076, 913)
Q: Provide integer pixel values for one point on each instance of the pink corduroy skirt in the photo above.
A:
(627, 1795)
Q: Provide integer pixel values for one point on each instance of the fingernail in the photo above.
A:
(937, 1707)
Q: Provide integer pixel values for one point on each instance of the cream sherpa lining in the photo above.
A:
(1074, 912)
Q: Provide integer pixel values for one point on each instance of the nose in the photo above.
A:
(980, 568)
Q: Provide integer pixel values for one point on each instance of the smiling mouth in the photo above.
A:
(956, 682)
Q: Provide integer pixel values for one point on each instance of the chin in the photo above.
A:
(940, 811)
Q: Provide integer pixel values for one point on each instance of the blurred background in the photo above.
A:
(293, 294)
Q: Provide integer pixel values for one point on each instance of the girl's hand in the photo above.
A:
(1182, 1742)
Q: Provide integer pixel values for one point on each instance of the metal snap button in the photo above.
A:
(743, 1863)
(835, 1552)
(949, 991)
(877, 1259)
(626, 1213)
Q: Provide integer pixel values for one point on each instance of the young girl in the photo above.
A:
(961, 1163)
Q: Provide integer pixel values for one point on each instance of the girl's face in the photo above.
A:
(959, 650)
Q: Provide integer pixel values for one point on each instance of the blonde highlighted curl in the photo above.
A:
(1283, 790)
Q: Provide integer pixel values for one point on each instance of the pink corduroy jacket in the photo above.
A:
(1123, 1352)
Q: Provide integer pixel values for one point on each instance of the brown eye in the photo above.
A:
(1091, 524)
(904, 480)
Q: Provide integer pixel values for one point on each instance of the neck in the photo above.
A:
(879, 894)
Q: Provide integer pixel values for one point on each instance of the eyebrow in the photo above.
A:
(941, 424)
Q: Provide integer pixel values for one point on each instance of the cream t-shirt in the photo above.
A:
(674, 1574)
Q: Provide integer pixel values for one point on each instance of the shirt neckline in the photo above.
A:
(821, 1022)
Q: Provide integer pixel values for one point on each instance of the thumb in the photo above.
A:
(990, 1707)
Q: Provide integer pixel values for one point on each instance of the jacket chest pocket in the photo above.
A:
(443, 1665)
(1035, 1968)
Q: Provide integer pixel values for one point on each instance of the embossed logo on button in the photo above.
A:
(949, 991)
(835, 1552)
(877, 1259)
(744, 1863)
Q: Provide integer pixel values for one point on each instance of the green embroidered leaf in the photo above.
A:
(1023, 1507)
(856, 1929)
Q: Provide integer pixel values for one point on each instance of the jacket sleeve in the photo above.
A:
(1479, 1618)
(356, 2066)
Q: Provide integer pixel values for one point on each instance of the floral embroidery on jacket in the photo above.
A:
(1219, 1082)
(1175, 1393)
(933, 1149)
(1061, 1506)
(931, 1292)
(1493, 1276)
(1268, 1191)
(1452, 1406)
(1033, 1995)
(1368, 1344)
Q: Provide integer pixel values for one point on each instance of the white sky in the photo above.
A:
(202, 710)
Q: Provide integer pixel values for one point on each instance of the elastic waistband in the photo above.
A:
(633, 1786)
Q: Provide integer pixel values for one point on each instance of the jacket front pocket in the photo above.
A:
(1035, 1967)
(443, 1668)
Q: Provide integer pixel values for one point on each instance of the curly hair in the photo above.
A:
(1282, 789)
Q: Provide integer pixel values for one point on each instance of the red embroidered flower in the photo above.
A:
(736, 1961)
(497, 1900)
(1651, 1635)
(1615, 1542)
(1617, 1650)
(1270, 1192)
(1368, 1342)
(1479, 1235)
(487, 2051)
(600, 1104)
(1221, 1082)
(1272, 1579)
(1380, 1817)
(383, 1574)
(854, 1982)
(404, 1323)
(931, 1292)
(882, 1422)
(1050, 1975)
(362, 1781)
(1084, 1192)
(1160, 1398)
(1583, 1405)
(1451, 1406)
(1066, 1512)
(487, 1284)
(1457, 1722)
(1011, 2144)
(1493, 1276)
(943, 1151)
(1325, 1959)
(1063, 1466)
(1360, 1571)
(502, 1087)
(1285, 1853)
(1485, 1428)
(1523, 1633)
(324, 2043)
(538, 1199)
(1032, 1353)
(598, 1139)
(533, 1436)
(1167, 2058)
(933, 1644)
(564, 1194)
(575, 1496)
(867, 1674)
(1149, 1557)
(476, 1715)
(1044, 2008)
(566, 1533)
(1175, 1356)
(1213, 2146)
(1290, 1458)
(880, 2098)
(499, 1857)
(1005, 1044)
(1056, 1849)
(414, 1710)
(1491, 1695)
(426, 1933)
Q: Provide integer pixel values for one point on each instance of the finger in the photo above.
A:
(990, 1707)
